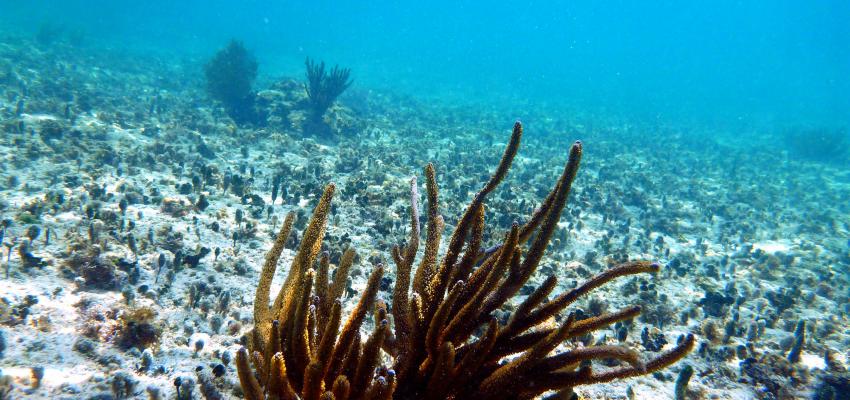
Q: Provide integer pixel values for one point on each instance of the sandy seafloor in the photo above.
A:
(761, 235)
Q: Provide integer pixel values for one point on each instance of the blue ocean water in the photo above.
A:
(145, 174)
(726, 63)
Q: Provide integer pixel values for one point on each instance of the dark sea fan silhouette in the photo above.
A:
(439, 332)
(230, 75)
(323, 87)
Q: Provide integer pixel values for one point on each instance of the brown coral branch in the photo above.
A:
(538, 247)
(427, 266)
(507, 345)
(549, 309)
(341, 388)
(279, 386)
(432, 343)
(309, 248)
(440, 280)
(272, 347)
(352, 325)
(433, 339)
(259, 362)
(321, 289)
(368, 360)
(298, 337)
(404, 262)
(497, 384)
(471, 311)
(473, 355)
(436, 387)
(262, 315)
(586, 376)
(313, 383)
(535, 298)
(323, 354)
(341, 274)
(249, 383)
(663, 361)
(576, 356)
(352, 357)
(473, 247)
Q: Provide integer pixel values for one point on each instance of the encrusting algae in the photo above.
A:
(438, 338)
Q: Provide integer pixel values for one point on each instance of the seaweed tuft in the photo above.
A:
(137, 328)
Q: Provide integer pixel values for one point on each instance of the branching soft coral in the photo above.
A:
(439, 335)
(323, 88)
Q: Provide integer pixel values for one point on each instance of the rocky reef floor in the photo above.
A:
(136, 216)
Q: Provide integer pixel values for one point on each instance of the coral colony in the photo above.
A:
(443, 341)
(208, 229)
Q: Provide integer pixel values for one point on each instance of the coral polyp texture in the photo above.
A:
(438, 336)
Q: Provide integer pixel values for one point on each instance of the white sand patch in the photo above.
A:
(771, 247)
(813, 361)
(75, 374)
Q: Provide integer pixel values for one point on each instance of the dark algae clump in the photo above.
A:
(230, 75)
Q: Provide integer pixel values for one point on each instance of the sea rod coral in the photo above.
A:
(438, 338)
